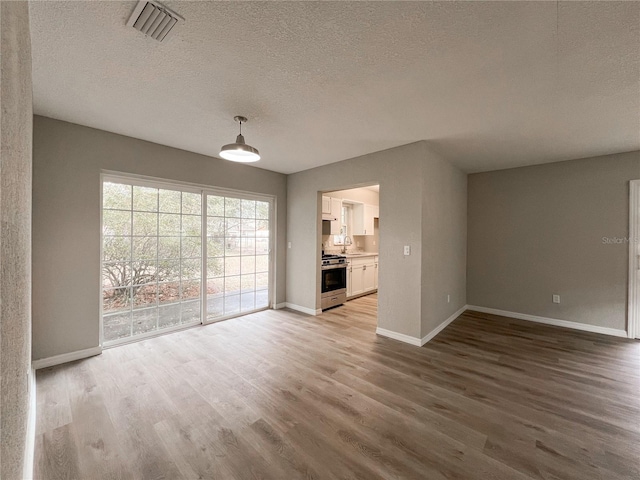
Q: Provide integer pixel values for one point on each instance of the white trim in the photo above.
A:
(299, 308)
(30, 443)
(279, 306)
(419, 342)
(399, 336)
(551, 321)
(100, 292)
(66, 357)
(442, 326)
(633, 315)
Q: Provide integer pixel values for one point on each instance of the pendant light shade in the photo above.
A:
(240, 151)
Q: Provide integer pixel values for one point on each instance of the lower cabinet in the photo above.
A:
(376, 274)
(357, 284)
(368, 277)
(362, 276)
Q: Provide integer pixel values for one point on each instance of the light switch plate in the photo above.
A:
(556, 299)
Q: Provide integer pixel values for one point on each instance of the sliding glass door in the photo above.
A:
(161, 243)
(238, 245)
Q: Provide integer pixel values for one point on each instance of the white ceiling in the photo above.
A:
(490, 84)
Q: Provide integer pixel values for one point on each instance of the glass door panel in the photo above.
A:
(152, 257)
(237, 256)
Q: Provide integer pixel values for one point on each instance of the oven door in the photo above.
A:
(334, 277)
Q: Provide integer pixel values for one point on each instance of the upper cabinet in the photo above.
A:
(331, 208)
(336, 213)
(363, 216)
(336, 208)
(326, 206)
(332, 211)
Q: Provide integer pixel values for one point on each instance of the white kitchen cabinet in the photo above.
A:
(326, 205)
(332, 211)
(357, 221)
(363, 216)
(357, 280)
(336, 212)
(368, 276)
(336, 207)
(362, 275)
(376, 274)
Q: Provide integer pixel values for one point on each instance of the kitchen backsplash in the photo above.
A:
(361, 243)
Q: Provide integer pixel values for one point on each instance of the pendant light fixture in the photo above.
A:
(240, 151)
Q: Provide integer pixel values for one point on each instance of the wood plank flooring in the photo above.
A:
(281, 395)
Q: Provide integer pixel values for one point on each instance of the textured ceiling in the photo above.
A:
(490, 84)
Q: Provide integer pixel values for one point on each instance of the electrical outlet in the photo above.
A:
(407, 250)
(556, 299)
(374, 243)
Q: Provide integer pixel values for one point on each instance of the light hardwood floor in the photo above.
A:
(283, 395)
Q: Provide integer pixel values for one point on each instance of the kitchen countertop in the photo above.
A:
(360, 254)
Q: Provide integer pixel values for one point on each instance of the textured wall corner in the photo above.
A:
(444, 241)
(15, 236)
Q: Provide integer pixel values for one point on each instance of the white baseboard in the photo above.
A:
(551, 321)
(442, 326)
(66, 357)
(30, 442)
(299, 308)
(279, 306)
(418, 342)
(398, 336)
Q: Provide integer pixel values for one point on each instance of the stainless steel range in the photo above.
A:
(334, 281)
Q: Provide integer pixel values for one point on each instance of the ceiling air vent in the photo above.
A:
(154, 20)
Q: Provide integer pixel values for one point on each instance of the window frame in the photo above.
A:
(203, 191)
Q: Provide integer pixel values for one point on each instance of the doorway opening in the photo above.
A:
(350, 242)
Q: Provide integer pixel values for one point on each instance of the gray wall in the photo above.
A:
(68, 160)
(399, 172)
(538, 231)
(15, 235)
(444, 242)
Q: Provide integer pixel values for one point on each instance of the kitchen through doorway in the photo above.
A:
(350, 246)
